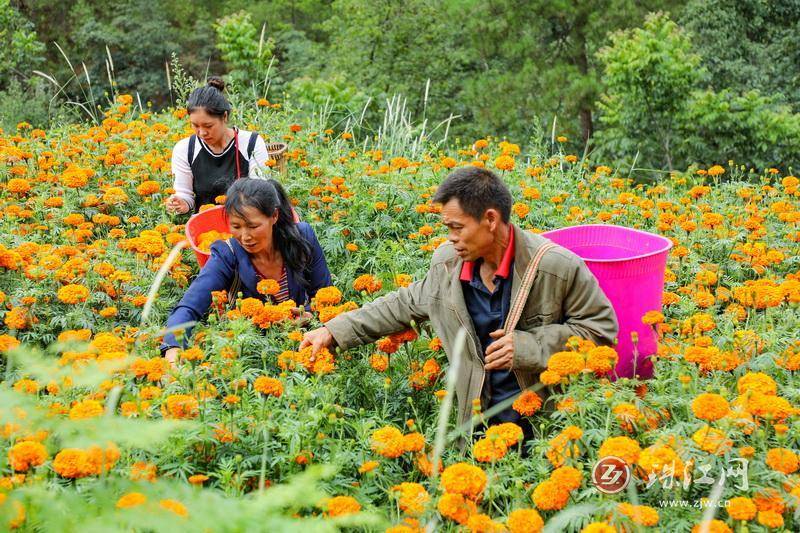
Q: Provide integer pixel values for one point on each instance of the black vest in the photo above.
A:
(213, 175)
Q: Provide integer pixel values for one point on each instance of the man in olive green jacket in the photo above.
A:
(482, 252)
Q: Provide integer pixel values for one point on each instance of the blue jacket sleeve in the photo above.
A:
(216, 275)
(317, 271)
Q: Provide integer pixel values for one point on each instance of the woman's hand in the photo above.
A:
(177, 205)
(171, 355)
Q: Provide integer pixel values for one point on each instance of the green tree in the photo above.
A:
(245, 50)
(20, 49)
(748, 44)
(648, 74)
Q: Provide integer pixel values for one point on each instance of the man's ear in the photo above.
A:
(492, 217)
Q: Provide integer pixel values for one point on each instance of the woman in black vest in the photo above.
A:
(207, 163)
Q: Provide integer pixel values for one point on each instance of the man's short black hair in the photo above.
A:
(476, 189)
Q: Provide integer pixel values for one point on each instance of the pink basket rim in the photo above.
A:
(189, 236)
(667, 243)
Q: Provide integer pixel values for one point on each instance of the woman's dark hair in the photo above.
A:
(210, 98)
(476, 189)
(267, 195)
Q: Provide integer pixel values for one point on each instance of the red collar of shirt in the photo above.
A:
(503, 269)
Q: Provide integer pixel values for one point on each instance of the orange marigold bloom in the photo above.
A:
(342, 506)
(412, 498)
(73, 294)
(268, 386)
(566, 363)
(174, 506)
(481, 523)
(770, 519)
(367, 283)
(741, 508)
(658, 458)
(567, 477)
(26, 454)
(379, 362)
(368, 466)
(712, 526)
(388, 442)
(86, 409)
(132, 499)
(504, 162)
(710, 407)
(327, 296)
(508, 433)
(180, 406)
(268, 287)
(712, 440)
(550, 496)
(527, 403)
(413, 442)
(782, 460)
(525, 521)
(456, 507)
(640, 514)
(465, 479)
(756, 382)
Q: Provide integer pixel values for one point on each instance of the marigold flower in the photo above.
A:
(525, 521)
(131, 499)
(268, 287)
(388, 442)
(659, 458)
(710, 407)
(639, 514)
(180, 406)
(566, 363)
(456, 507)
(268, 386)
(770, 519)
(527, 403)
(342, 506)
(550, 496)
(782, 460)
(481, 523)
(174, 506)
(712, 440)
(73, 294)
(368, 466)
(413, 442)
(465, 479)
(741, 508)
(504, 162)
(26, 454)
(86, 409)
(411, 497)
(367, 283)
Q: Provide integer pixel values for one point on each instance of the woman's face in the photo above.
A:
(253, 230)
(209, 128)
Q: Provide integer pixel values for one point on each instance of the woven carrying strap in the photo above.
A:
(525, 288)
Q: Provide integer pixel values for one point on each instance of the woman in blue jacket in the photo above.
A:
(266, 244)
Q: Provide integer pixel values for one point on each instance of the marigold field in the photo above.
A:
(97, 433)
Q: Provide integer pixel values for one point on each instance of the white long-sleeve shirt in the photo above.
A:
(182, 171)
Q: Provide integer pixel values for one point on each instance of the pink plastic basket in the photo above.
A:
(629, 265)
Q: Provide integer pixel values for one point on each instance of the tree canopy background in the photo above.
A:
(697, 81)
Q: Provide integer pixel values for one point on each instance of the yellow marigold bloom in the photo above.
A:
(550, 496)
(770, 519)
(27, 386)
(505, 162)
(174, 506)
(653, 317)
(367, 283)
(26, 454)
(712, 526)
(147, 188)
(131, 499)
(508, 433)
(741, 508)
(180, 406)
(710, 407)
(756, 382)
(598, 527)
(326, 297)
(456, 507)
(388, 442)
(716, 170)
(86, 409)
(411, 497)
(342, 506)
(625, 448)
(566, 363)
(141, 471)
(18, 186)
(782, 460)
(525, 521)
(527, 403)
(601, 359)
(465, 479)
(549, 377)
(712, 440)
(640, 514)
(73, 294)
(659, 459)
(192, 354)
